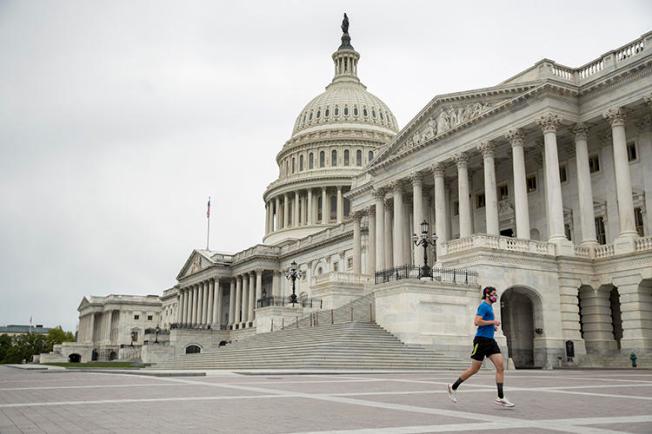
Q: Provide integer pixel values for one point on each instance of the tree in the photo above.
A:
(56, 336)
(5, 345)
(24, 347)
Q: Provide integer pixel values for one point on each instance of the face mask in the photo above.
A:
(493, 298)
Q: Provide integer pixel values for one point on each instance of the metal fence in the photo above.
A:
(284, 301)
(438, 274)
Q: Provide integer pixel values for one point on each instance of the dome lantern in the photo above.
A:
(346, 58)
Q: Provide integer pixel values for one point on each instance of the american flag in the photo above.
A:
(208, 208)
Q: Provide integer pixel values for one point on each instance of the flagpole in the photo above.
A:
(208, 223)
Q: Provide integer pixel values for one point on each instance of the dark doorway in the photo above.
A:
(509, 232)
(74, 358)
(94, 355)
(113, 355)
(517, 313)
(616, 320)
(193, 349)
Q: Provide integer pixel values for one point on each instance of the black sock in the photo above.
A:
(457, 383)
(500, 390)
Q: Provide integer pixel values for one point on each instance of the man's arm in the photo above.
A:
(478, 321)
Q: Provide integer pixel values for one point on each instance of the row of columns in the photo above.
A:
(200, 304)
(390, 232)
(245, 290)
(302, 206)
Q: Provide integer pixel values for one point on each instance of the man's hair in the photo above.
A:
(487, 290)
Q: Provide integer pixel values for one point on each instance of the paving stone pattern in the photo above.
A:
(353, 403)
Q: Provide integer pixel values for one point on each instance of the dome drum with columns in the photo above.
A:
(335, 136)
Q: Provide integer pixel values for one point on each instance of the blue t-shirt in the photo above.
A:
(486, 312)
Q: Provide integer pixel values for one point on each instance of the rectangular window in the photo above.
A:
(311, 162)
(638, 219)
(563, 176)
(503, 192)
(150, 317)
(336, 266)
(480, 201)
(531, 182)
(349, 263)
(600, 231)
(631, 151)
(456, 208)
(136, 316)
(594, 163)
(567, 231)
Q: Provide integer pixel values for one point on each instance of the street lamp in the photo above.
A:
(158, 329)
(426, 241)
(293, 273)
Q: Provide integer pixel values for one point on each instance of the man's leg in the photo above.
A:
(474, 368)
(497, 360)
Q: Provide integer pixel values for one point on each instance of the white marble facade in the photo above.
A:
(538, 184)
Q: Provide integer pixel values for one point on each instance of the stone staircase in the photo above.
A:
(345, 345)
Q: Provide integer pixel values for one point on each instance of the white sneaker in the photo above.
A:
(503, 402)
(451, 393)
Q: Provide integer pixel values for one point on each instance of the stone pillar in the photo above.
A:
(259, 286)
(371, 241)
(356, 243)
(188, 307)
(584, 189)
(266, 218)
(232, 298)
(311, 219)
(213, 287)
(398, 258)
(570, 313)
(217, 310)
(440, 206)
(521, 206)
(204, 303)
(616, 118)
(636, 314)
(490, 193)
(461, 161)
(549, 124)
(245, 299)
(340, 205)
(238, 301)
(417, 212)
(180, 307)
(286, 211)
(252, 296)
(379, 194)
(389, 236)
(193, 307)
(276, 283)
(278, 213)
(295, 215)
(596, 320)
(325, 207)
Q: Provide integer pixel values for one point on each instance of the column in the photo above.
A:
(204, 302)
(616, 118)
(295, 214)
(278, 213)
(210, 302)
(245, 299)
(188, 307)
(252, 296)
(286, 211)
(521, 210)
(636, 314)
(389, 236)
(276, 283)
(379, 194)
(325, 207)
(440, 206)
(549, 123)
(490, 193)
(356, 243)
(417, 212)
(584, 189)
(180, 307)
(398, 258)
(340, 205)
(238, 297)
(371, 241)
(463, 195)
(232, 298)
(259, 286)
(309, 208)
(217, 307)
(266, 218)
(596, 320)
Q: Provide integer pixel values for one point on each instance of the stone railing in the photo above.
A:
(257, 250)
(642, 244)
(340, 277)
(584, 252)
(604, 251)
(498, 242)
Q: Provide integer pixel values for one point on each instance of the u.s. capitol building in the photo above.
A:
(538, 186)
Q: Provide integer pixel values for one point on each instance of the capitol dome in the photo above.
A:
(334, 138)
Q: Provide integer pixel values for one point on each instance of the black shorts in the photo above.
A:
(484, 347)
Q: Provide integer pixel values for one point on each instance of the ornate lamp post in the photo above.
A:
(293, 274)
(426, 241)
(157, 330)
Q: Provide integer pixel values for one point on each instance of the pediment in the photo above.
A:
(196, 262)
(83, 304)
(447, 114)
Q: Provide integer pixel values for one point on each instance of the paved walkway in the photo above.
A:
(351, 403)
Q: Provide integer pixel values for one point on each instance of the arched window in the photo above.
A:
(292, 164)
(381, 116)
(310, 117)
(300, 163)
(322, 159)
(346, 157)
(334, 158)
(337, 111)
(327, 113)
(371, 156)
(287, 168)
(355, 110)
(364, 111)
(193, 349)
(346, 111)
(358, 157)
(311, 162)
(373, 113)
(304, 117)
(318, 113)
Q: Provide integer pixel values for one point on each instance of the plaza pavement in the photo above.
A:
(574, 401)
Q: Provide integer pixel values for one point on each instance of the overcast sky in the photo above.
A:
(119, 118)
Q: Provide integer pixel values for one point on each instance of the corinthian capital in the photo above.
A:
(416, 178)
(515, 137)
(581, 131)
(461, 159)
(438, 169)
(379, 192)
(396, 186)
(487, 148)
(549, 122)
(616, 116)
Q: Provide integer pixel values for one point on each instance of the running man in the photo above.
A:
(484, 345)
